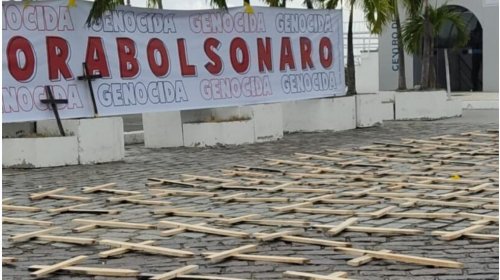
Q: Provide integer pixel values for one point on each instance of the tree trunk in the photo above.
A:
(309, 4)
(351, 75)
(128, 2)
(426, 53)
(160, 5)
(401, 51)
(432, 66)
(283, 4)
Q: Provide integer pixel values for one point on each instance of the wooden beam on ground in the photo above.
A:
(264, 258)
(24, 221)
(312, 276)
(172, 192)
(458, 233)
(185, 213)
(94, 271)
(402, 258)
(314, 241)
(66, 239)
(327, 211)
(379, 213)
(175, 273)
(113, 224)
(121, 250)
(470, 235)
(8, 260)
(42, 195)
(172, 182)
(474, 216)
(147, 248)
(364, 259)
(205, 229)
(220, 256)
(55, 267)
(8, 207)
(272, 222)
(334, 230)
(230, 221)
(97, 188)
(66, 208)
(424, 215)
(383, 230)
(275, 235)
(30, 235)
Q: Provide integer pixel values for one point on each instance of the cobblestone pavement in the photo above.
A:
(480, 257)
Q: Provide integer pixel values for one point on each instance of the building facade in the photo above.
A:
(471, 68)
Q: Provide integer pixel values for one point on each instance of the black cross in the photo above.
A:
(89, 78)
(53, 103)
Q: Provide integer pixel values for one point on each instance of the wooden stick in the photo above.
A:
(66, 208)
(121, 250)
(171, 192)
(175, 273)
(95, 271)
(275, 235)
(291, 207)
(69, 197)
(478, 216)
(339, 228)
(172, 182)
(470, 235)
(27, 236)
(119, 199)
(205, 229)
(207, 277)
(270, 222)
(97, 188)
(278, 259)
(51, 268)
(148, 248)
(314, 241)
(180, 212)
(364, 259)
(113, 224)
(311, 276)
(324, 211)
(8, 207)
(236, 220)
(423, 215)
(380, 213)
(217, 257)
(402, 258)
(385, 230)
(67, 239)
(458, 233)
(23, 221)
(352, 201)
(42, 195)
(8, 260)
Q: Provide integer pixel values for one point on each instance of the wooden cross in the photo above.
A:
(53, 103)
(42, 235)
(89, 78)
(146, 248)
(305, 275)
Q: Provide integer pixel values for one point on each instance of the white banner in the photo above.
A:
(159, 60)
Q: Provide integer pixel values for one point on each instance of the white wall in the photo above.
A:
(367, 73)
(487, 13)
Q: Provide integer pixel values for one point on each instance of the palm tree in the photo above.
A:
(377, 13)
(420, 31)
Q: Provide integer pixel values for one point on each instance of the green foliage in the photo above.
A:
(99, 8)
(413, 29)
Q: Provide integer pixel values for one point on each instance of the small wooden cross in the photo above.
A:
(89, 77)
(53, 103)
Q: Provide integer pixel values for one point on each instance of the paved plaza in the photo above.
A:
(478, 253)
